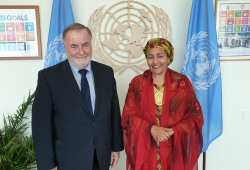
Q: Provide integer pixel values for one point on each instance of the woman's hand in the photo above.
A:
(161, 134)
(170, 131)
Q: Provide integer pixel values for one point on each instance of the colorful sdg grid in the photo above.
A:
(17, 36)
(235, 21)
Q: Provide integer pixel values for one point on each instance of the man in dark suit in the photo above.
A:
(76, 114)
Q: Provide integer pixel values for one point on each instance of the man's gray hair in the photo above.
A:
(75, 26)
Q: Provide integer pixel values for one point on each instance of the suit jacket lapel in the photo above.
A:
(71, 82)
(98, 86)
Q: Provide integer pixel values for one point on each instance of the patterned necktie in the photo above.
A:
(85, 90)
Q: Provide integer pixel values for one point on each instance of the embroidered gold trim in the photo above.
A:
(158, 95)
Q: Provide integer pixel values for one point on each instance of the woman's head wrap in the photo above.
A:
(163, 44)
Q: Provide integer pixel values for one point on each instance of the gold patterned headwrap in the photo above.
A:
(163, 44)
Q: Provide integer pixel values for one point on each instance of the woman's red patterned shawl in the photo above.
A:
(180, 110)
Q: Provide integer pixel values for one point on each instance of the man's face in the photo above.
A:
(77, 44)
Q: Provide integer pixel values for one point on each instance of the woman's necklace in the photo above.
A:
(158, 80)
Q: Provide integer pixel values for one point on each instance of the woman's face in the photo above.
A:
(157, 60)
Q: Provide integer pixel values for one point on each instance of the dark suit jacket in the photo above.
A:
(64, 133)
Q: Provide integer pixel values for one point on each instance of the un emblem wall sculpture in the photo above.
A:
(120, 33)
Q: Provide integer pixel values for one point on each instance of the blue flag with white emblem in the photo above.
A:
(61, 17)
(202, 67)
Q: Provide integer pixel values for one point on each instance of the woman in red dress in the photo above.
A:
(162, 119)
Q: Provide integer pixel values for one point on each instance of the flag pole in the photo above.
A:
(204, 161)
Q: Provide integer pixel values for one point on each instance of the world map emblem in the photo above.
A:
(201, 63)
(119, 34)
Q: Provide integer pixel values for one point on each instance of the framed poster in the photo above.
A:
(20, 37)
(233, 29)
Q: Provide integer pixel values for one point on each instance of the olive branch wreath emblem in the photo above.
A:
(52, 45)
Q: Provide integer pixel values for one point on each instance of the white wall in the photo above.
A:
(230, 151)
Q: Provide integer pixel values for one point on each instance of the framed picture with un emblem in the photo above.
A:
(20, 37)
(233, 29)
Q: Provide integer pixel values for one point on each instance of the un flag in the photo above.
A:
(202, 67)
(61, 17)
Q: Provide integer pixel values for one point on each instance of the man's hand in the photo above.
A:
(54, 168)
(115, 156)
